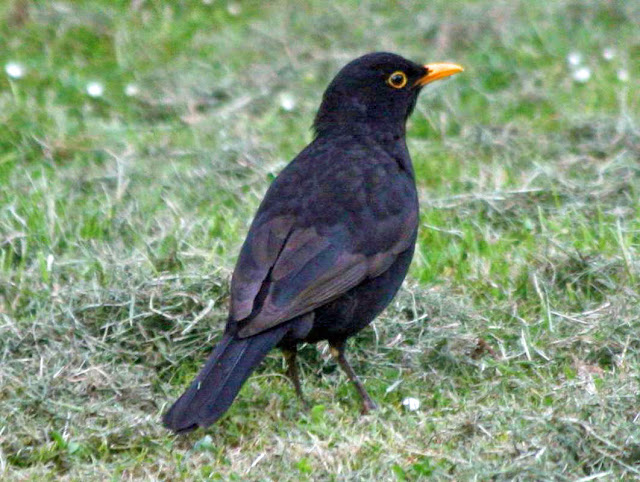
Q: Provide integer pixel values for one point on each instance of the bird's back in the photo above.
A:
(347, 185)
(340, 214)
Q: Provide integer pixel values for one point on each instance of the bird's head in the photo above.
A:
(377, 90)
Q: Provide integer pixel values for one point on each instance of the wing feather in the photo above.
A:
(284, 271)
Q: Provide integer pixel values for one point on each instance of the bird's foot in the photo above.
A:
(368, 406)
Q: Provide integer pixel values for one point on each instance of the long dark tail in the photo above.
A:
(214, 389)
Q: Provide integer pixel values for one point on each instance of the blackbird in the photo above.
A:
(332, 240)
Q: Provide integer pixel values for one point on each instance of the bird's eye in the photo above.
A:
(397, 80)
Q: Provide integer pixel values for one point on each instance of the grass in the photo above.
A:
(121, 216)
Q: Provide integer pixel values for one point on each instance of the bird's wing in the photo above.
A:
(285, 271)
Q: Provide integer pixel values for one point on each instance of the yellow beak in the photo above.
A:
(438, 71)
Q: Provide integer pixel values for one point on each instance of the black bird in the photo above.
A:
(332, 240)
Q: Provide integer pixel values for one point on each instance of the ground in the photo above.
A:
(138, 138)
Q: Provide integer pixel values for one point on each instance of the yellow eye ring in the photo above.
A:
(397, 80)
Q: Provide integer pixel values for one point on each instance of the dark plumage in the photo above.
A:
(332, 240)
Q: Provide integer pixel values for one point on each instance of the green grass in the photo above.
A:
(121, 216)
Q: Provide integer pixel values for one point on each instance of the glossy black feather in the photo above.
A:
(330, 243)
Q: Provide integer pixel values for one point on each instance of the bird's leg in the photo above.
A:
(290, 355)
(337, 351)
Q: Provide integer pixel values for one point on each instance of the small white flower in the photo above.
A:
(234, 9)
(623, 75)
(411, 404)
(608, 53)
(95, 89)
(207, 2)
(574, 59)
(14, 70)
(287, 101)
(131, 90)
(582, 75)
(204, 444)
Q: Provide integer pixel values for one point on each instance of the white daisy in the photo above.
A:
(287, 101)
(14, 70)
(95, 89)
(574, 59)
(623, 75)
(582, 75)
(608, 53)
(411, 404)
(234, 9)
(131, 90)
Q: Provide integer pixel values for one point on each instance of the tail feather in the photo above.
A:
(216, 386)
